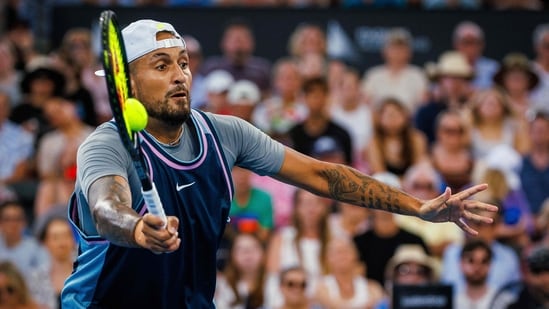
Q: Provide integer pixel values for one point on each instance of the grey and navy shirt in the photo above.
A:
(194, 182)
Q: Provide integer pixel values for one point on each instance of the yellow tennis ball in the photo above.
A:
(135, 114)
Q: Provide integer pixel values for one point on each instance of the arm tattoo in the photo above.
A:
(110, 205)
(349, 185)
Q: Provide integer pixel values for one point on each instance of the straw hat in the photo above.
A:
(410, 253)
(516, 62)
(451, 63)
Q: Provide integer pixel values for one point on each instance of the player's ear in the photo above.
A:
(132, 85)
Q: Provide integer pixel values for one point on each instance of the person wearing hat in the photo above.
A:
(397, 77)
(243, 97)
(217, 84)
(37, 87)
(129, 258)
(452, 76)
(517, 78)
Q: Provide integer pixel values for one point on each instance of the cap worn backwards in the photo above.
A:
(140, 38)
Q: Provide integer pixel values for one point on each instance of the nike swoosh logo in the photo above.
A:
(181, 187)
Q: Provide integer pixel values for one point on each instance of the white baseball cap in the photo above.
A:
(140, 38)
(244, 91)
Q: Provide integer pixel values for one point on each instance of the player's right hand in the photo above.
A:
(150, 234)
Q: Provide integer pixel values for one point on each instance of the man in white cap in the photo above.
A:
(127, 259)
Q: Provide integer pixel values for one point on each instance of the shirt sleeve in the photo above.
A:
(100, 155)
(246, 146)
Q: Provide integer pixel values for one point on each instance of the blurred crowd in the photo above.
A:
(461, 120)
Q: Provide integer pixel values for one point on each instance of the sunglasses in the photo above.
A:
(451, 130)
(407, 270)
(7, 289)
(295, 284)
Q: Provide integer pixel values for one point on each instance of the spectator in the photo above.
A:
(15, 245)
(22, 37)
(217, 85)
(396, 144)
(10, 78)
(303, 243)
(349, 221)
(76, 47)
(422, 180)
(284, 108)
(318, 122)
(16, 146)
(14, 293)
(452, 75)
(535, 292)
(504, 258)
(293, 282)
(409, 266)
(515, 5)
(74, 88)
(56, 155)
(353, 114)
(237, 45)
(307, 38)
(198, 87)
(344, 286)
(37, 86)
(241, 283)
(493, 124)
(469, 40)
(251, 207)
(56, 235)
(243, 97)
(396, 77)
(541, 64)
(475, 262)
(517, 79)
(534, 172)
(518, 223)
(451, 152)
(377, 245)
(58, 238)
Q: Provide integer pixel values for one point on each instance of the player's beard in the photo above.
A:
(162, 110)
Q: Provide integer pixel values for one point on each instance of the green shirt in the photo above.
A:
(259, 206)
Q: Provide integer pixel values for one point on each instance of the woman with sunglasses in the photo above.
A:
(293, 283)
(14, 293)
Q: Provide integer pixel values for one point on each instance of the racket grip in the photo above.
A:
(154, 204)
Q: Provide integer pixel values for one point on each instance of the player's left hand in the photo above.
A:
(457, 208)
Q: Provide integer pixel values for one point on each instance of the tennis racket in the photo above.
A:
(116, 72)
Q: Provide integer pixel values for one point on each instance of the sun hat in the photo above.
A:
(516, 62)
(410, 253)
(451, 63)
(140, 38)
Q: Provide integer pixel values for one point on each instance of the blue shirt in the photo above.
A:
(504, 269)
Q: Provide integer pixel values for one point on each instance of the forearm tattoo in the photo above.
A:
(349, 185)
(110, 203)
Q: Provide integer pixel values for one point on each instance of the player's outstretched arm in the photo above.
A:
(343, 183)
(110, 204)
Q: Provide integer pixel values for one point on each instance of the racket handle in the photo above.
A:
(154, 204)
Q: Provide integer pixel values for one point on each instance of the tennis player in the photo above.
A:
(126, 259)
